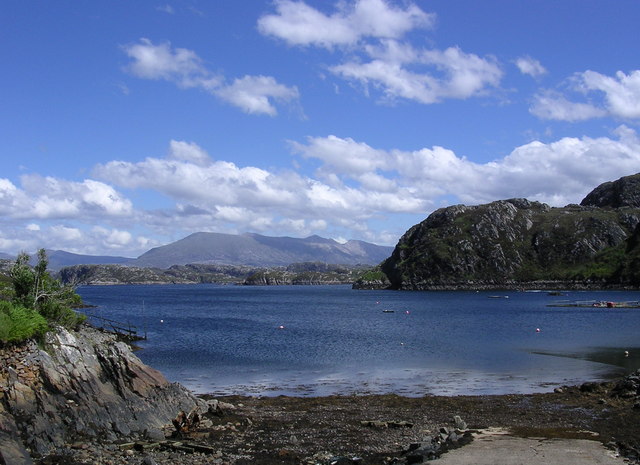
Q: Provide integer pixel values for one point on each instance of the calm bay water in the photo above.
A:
(321, 340)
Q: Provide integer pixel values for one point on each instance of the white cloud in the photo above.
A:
(530, 66)
(621, 93)
(618, 97)
(112, 238)
(65, 234)
(355, 185)
(49, 197)
(188, 151)
(178, 65)
(252, 94)
(558, 173)
(377, 57)
(446, 74)
(300, 24)
(552, 105)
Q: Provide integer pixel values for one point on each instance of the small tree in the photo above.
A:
(35, 289)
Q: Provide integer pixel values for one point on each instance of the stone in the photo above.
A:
(148, 460)
(459, 423)
(154, 434)
(589, 387)
(12, 452)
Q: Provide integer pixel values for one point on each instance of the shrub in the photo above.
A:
(38, 301)
(18, 323)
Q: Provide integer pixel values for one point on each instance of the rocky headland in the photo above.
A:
(517, 243)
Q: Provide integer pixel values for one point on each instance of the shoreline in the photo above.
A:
(138, 407)
(611, 364)
(380, 429)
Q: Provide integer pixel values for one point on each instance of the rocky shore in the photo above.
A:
(84, 398)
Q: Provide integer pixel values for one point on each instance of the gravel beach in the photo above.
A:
(378, 429)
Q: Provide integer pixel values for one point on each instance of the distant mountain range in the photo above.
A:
(263, 251)
(248, 249)
(59, 259)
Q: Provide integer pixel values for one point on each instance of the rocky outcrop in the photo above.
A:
(80, 386)
(625, 192)
(116, 274)
(518, 243)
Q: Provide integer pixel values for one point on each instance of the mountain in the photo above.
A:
(260, 251)
(59, 259)
(521, 243)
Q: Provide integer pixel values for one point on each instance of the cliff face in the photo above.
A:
(511, 242)
(82, 385)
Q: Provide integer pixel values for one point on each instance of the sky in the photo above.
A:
(128, 125)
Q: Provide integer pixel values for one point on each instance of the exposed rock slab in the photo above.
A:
(82, 385)
(498, 447)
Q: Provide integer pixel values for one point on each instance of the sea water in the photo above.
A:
(322, 340)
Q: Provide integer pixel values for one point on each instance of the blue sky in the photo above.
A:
(128, 125)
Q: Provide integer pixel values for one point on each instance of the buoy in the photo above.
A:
(161, 321)
(281, 327)
(626, 353)
(407, 312)
(537, 330)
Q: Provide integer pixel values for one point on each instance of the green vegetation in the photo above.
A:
(36, 302)
(18, 323)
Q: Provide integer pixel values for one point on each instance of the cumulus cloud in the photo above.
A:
(355, 185)
(254, 94)
(183, 67)
(355, 182)
(376, 56)
(188, 151)
(297, 23)
(553, 105)
(49, 197)
(530, 66)
(558, 173)
(621, 93)
(616, 96)
(449, 73)
(179, 65)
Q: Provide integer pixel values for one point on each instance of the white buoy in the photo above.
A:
(537, 330)
(161, 321)
(626, 353)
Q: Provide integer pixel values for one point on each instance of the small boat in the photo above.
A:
(498, 296)
(388, 311)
